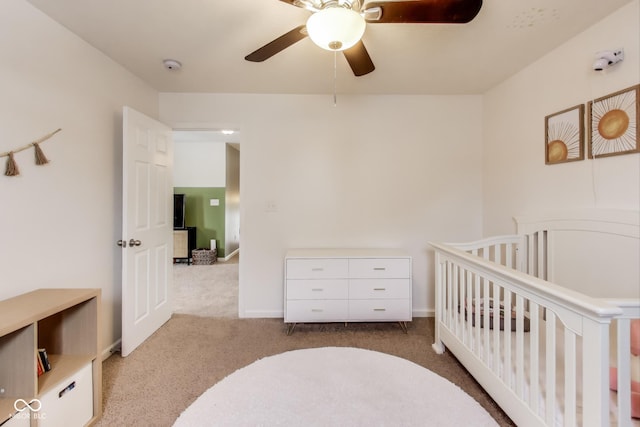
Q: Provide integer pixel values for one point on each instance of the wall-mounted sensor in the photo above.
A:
(607, 58)
(172, 64)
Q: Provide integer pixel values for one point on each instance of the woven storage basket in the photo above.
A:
(203, 256)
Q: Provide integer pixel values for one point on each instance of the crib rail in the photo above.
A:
(537, 348)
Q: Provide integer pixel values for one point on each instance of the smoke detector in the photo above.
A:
(172, 64)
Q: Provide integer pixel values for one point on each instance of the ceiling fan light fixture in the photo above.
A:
(336, 28)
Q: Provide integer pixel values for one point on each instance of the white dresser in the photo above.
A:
(347, 285)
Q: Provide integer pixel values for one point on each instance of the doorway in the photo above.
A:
(207, 172)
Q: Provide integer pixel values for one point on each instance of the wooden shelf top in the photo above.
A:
(25, 309)
(62, 367)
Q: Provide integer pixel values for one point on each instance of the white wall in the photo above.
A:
(373, 171)
(199, 164)
(59, 222)
(517, 181)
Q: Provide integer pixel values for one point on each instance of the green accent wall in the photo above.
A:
(208, 220)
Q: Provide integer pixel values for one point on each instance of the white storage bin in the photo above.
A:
(20, 419)
(70, 402)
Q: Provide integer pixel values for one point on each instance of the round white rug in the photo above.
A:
(334, 386)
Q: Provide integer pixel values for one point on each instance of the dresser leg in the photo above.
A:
(290, 328)
(403, 326)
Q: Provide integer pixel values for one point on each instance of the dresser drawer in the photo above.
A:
(317, 289)
(316, 311)
(380, 310)
(381, 268)
(317, 268)
(379, 288)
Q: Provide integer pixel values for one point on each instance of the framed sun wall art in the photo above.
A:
(613, 124)
(564, 136)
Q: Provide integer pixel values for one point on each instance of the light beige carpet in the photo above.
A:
(206, 290)
(334, 386)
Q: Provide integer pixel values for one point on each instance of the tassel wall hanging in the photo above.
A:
(12, 167)
(41, 159)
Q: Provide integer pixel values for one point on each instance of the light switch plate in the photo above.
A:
(271, 206)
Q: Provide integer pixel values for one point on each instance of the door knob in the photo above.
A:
(122, 243)
(135, 242)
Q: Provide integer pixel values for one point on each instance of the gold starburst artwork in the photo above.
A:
(564, 136)
(613, 124)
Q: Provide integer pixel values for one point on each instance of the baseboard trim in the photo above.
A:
(231, 255)
(424, 312)
(113, 348)
(261, 314)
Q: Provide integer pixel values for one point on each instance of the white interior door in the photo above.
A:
(147, 227)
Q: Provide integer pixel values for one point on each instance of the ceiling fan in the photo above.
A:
(338, 25)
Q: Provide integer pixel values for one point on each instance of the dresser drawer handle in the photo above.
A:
(379, 289)
(379, 309)
(317, 289)
(317, 269)
(317, 310)
(379, 268)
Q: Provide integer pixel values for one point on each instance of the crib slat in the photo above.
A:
(570, 377)
(550, 352)
(508, 262)
(461, 303)
(540, 270)
(519, 346)
(486, 320)
(469, 315)
(476, 313)
(496, 329)
(624, 372)
(530, 255)
(450, 308)
(438, 300)
(507, 336)
(534, 345)
(455, 307)
(595, 394)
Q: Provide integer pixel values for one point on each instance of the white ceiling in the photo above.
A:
(212, 37)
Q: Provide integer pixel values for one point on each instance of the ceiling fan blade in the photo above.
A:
(359, 59)
(291, 2)
(304, 4)
(277, 45)
(424, 11)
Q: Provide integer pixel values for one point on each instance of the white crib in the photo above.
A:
(506, 310)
